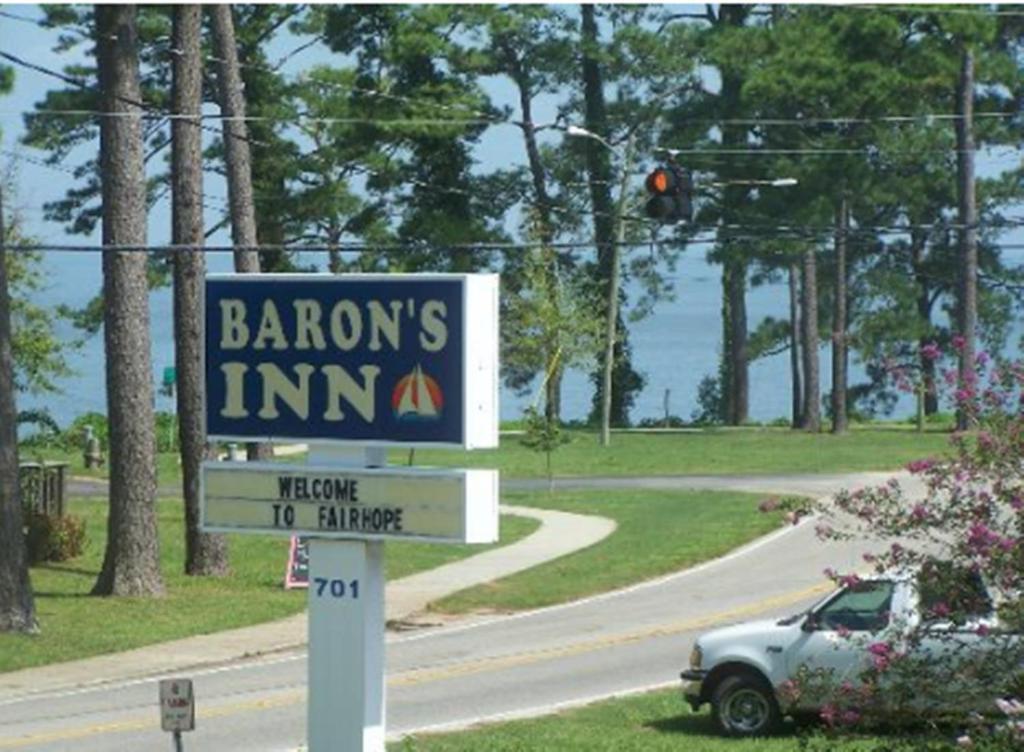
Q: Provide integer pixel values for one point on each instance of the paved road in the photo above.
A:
(502, 667)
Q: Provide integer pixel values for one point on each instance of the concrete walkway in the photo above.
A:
(560, 533)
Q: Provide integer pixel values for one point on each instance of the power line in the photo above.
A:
(348, 247)
(924, 119)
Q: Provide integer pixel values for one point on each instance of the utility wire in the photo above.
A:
(346, 247)
(479, 118)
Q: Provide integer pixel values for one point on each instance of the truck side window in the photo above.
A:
(952, 593)
(863, 607)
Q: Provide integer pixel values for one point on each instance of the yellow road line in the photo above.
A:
(424, 676)
(150, 721)
(411, 678)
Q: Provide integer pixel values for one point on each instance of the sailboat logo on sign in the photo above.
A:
(417, 397)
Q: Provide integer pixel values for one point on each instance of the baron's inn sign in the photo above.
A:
(366, 359)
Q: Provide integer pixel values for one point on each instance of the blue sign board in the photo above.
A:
(355, 358)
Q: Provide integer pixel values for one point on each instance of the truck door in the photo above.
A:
(835, 637)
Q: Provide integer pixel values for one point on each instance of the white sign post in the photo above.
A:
(345, 710)
(353, 364)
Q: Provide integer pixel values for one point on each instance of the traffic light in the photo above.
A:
(671, 190)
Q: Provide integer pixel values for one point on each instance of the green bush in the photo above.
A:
(50, 537)
(166, 432)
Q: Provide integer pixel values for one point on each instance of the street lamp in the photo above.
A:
(575, 130)
(774, 183)
(614, 272)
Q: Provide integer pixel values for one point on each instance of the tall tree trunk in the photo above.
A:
(600, 173)
(924, 312)
(737, 393)
(17, 606)
(131, 564)
(236, 140)
(237, 159)
(811, 420)
(839, 348)
(204, 554)
(968, 303)
(736, 367)
(794, 344)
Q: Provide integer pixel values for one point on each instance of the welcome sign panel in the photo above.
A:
(356, 358)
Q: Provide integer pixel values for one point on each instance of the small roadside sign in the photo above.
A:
(177, 705)
(297, 573)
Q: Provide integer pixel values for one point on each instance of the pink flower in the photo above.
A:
(919, 513)
(829, 713)
(931, 351)
(958, 342)
(880, 648)
(941, 609)
(849, 580)
(920, 466)
(983, 630)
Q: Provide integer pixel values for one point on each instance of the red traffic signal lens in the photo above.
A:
(661, 181)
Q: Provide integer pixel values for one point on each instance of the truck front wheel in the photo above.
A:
(744, 705)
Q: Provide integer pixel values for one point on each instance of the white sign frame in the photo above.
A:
(480, 358)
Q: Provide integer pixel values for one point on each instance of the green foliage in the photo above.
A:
(548, 323)
(543, 434)
(49, 429)
(49, 537)
(40, 357)
(166, 432)
(710, 402)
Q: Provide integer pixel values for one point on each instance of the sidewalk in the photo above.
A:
(560, 533)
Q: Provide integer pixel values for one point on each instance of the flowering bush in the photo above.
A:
(963, 540)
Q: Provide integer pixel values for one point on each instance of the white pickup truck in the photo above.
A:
(739, 669)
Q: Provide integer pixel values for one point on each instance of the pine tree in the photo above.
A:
(131, 563)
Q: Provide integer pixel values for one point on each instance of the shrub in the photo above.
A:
(53, 538)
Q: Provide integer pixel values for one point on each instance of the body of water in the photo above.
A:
(674, 348)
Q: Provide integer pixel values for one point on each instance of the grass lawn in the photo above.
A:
(714, 451)
(708, 452)
(658, 532)
(655, 722)
(76, 626)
